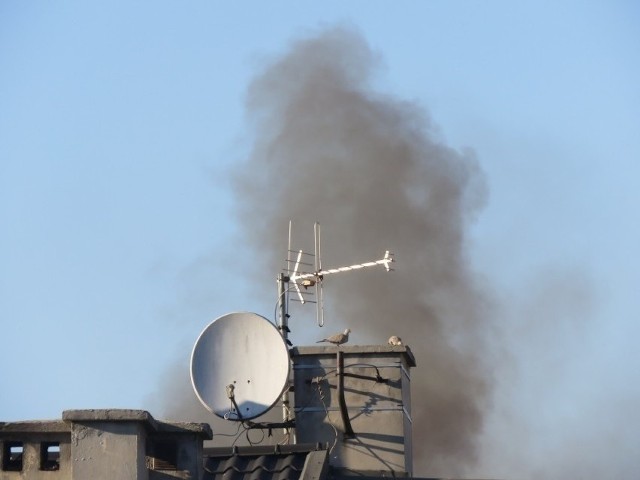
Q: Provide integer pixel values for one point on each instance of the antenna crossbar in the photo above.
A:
(317, 276)
(301, 280)
(386, 261)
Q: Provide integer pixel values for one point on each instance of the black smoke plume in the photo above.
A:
(374, 171)
(327, 145)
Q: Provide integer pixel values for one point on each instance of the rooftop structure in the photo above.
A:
(358, 400)
(352, 416)
(102, 444)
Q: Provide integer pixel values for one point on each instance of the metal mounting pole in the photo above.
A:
(283, 327)
(348, 430)
(283, 323)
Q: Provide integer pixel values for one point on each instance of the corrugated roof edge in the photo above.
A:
(308, 461)
(345, 473)
(263, 449)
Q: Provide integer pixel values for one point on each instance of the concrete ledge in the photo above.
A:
(142, 416)
(356, 349)
(35, 426)
(201, 429)
(107, 415)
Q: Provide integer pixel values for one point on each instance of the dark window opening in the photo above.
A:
(12, 456)
(50, 456)
(165, 455)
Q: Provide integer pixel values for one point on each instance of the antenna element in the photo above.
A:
(303, 280)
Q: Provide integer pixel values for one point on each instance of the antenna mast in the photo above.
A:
(313, 279)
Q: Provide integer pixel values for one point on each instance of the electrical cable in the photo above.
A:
(335, 430)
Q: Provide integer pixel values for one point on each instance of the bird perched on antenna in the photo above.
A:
(338, 338)
(395, 340)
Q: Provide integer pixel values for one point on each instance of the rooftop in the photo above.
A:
(105, 415)
(279, 462)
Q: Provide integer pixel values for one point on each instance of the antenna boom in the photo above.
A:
(302, 280)
(386, 261)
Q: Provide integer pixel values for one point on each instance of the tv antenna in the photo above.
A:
(302, 280)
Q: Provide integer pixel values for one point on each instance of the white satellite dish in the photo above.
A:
(239, 366)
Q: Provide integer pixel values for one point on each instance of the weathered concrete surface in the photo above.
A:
(32, 435)
(382, 350)
(108, 444)
(377, 395)
(35, 426)
(108, 449)
(127, 415)
(121, 443)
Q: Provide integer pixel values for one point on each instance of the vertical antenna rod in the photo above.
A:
(318, 265)
(283, 327)
(283, 293)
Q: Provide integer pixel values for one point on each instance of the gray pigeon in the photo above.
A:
(338, 338)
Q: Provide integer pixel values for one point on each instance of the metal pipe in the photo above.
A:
(283, 327)
(348, 430)
(283, 323)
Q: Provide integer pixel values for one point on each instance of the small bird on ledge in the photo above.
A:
(338, 338)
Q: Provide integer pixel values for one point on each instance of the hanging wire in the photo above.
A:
(280, 299)
(253, 443)
(245, 428)
(315, 380)
(236, 433)
(335, 430)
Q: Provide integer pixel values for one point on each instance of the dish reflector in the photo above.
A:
(240, 355)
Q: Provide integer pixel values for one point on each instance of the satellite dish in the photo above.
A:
(239, 366)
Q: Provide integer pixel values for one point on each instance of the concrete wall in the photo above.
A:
(33, 436)
(107, 444)
(189, 457)
(108, 450)
(131, 444)
(379, 411)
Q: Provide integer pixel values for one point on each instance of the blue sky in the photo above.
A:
(120, 124)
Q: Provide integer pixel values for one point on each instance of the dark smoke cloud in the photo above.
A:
(531, 402)
(373, 170)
